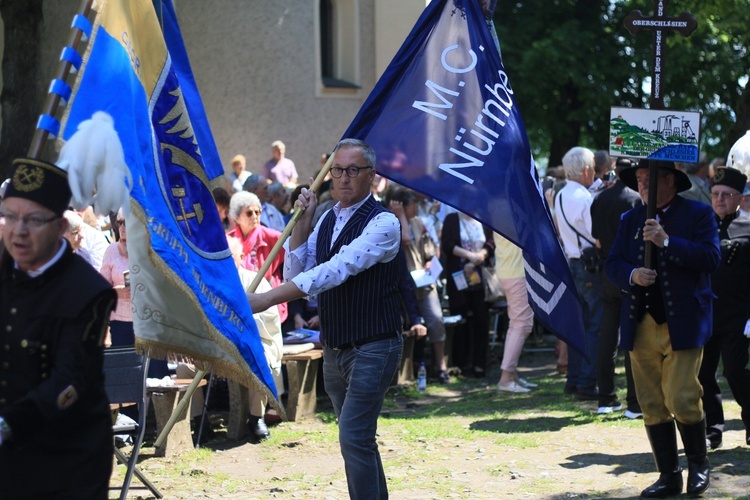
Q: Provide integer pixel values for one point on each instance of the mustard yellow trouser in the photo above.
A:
(666, 381)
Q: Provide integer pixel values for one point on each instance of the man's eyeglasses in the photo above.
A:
(32, 222)
(337, 172)
(721, 195)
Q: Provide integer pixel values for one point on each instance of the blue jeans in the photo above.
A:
(582, 374)
(356, 380)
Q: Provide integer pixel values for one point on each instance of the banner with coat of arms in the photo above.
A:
(186, 293)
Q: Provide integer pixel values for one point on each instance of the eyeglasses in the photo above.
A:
(32, 222)
(722, 195)
(120, 223)
(337, 172)
(74, 232)
(252, 212)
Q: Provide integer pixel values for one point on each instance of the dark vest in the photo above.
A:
(365, 305)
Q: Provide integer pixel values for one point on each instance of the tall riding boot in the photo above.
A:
(663, 439)
(694, 440)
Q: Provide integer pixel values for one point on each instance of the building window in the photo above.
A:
(326, 40)
(338, 46)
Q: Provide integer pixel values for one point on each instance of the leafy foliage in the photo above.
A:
(570, 61)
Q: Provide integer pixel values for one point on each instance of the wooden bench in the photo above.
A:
(302, 373)
(165, 400)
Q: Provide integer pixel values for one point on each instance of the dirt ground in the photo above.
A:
(573, 458)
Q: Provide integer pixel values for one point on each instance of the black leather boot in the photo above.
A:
(663, 439)
(694, 440)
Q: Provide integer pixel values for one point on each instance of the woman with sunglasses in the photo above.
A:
(257, 240)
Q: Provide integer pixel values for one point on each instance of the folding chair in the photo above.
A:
(125, 382)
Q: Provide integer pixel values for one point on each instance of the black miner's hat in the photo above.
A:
(731, 177)
(41, 182)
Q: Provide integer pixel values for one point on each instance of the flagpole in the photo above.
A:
(298, 211)
(64, 68)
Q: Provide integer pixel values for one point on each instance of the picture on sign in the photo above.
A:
(660, 134)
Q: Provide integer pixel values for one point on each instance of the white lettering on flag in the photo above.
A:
(556, 292)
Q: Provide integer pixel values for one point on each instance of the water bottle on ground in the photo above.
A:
(422, 378)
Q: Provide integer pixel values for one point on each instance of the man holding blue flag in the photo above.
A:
(348, 261)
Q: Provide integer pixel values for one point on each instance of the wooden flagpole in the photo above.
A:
(290, 225)
(64, 69)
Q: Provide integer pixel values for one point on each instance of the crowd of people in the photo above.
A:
(354, 266)
(670, 382)
(429, 230)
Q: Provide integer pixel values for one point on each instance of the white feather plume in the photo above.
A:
(739, 155)
(95, 163)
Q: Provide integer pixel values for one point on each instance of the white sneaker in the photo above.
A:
(633, 415)
(512, 387)
(609, 409)
(525, 383)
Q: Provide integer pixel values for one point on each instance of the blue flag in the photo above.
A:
(443, 121)
(186, 293)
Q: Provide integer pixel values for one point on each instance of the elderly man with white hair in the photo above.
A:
(573, 217)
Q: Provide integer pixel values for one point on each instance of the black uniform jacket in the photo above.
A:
(731, 282)
(51, 379)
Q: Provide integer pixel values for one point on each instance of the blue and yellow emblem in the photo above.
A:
(137, 71)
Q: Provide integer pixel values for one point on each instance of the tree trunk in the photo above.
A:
(567, 133)
(562, 142)
(20, 96)
(742, 125)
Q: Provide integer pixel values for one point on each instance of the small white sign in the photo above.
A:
(659, 134)
(429, 276)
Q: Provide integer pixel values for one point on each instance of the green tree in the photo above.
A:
(710, 68)
(570, 61)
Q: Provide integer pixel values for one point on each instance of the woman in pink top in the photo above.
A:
(257, 240)
(114, 265)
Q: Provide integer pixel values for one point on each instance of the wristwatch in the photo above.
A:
(666, 242)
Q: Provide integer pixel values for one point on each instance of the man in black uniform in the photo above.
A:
(731, 285)
(55, 424)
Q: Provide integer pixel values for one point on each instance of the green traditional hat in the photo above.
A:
(682, 182)
(41, 182)
(731, 177)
